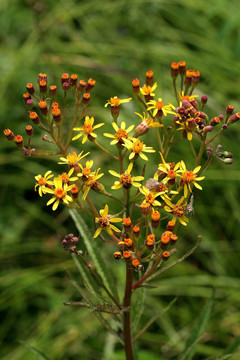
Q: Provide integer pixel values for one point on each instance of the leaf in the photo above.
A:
(87, 277)
(138, 308)
(105, 274)
(34, 350)
(197, 332)
(154, 318)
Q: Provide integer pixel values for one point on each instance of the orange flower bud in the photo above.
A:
(136, 231)
(128, 242)
(29, 130)
(165, 255)
(117, 255)
(135, 263)
(150, 241)
(127, 254)
(149, 77)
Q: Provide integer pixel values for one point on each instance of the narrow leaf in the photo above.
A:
(154, 318)
(105, 274)
(34, 350)
(197, 332)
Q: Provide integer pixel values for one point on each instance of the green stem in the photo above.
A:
(126, 316)
(105, 150)
(214, 137)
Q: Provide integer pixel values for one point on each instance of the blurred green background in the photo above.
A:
(114, 42)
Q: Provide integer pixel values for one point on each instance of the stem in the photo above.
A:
(126, 316)
(199, 157)
(175, 90)
(105, 150)
(146, 275)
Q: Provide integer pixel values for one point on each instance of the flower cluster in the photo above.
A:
(150, 205)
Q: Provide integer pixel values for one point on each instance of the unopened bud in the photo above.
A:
(229, 109)
(227, 161)
(204, 99)
(207, 128)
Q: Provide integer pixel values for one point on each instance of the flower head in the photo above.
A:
(90, 182)
(177, 209)
(66, 177)
(43, 181)
(72, 159)
(104, 222)
(148, 90)
(150, 197)
(87, 129)
(120, 133)
(158, 107)
(115, 101)
(189, 177)
(137, 148)
(146, 123)
(59, 192)
(86, 171)
(126, 180)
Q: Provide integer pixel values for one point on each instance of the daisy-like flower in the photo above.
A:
(137, 148)
(42, 182)
(72, 159)
(115, 101)
(158, 107)
(90, 182)
(148, 90)
(120, 134)
(169, 170)
(126, 180)
(105, 221)
(189, 177)
(86, 171)
(150, 197)
(178, 210)
(87, 130)
(66, 177)
(59, 193)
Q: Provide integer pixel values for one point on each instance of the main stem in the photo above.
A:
(126, 315)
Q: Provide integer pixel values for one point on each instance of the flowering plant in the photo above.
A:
(150, 208)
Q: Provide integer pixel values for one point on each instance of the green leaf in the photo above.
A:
(138, 307)
(34, 350)
(153, 319)
(87, 277)
(105, 274)
(198, 330)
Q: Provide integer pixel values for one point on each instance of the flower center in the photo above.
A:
(188, 176)
(171, 174)
(137, 146)
(87, 128)
(60, 193)
(125, 179)
(178, 210)
(147, 89)
(115, 101)
(86, 171)
(121, 133)
(103, 222)
(159, 105)
(42, 181)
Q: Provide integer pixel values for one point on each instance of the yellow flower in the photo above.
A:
(177, 209)
(170, 169)
(126, 180)
(86, 172)
(90, 181)
(150, 197)
(42, 182)
(186, 97)
(87, 129)
(60, 193)
(66, 177)
(148, 90)
(159, 106)
(105, 222)
(120, 134)
(137, 147)
(189, 177)
(72, 159)
(115, 101)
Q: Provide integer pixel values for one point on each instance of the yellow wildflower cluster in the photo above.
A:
(150, 201)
